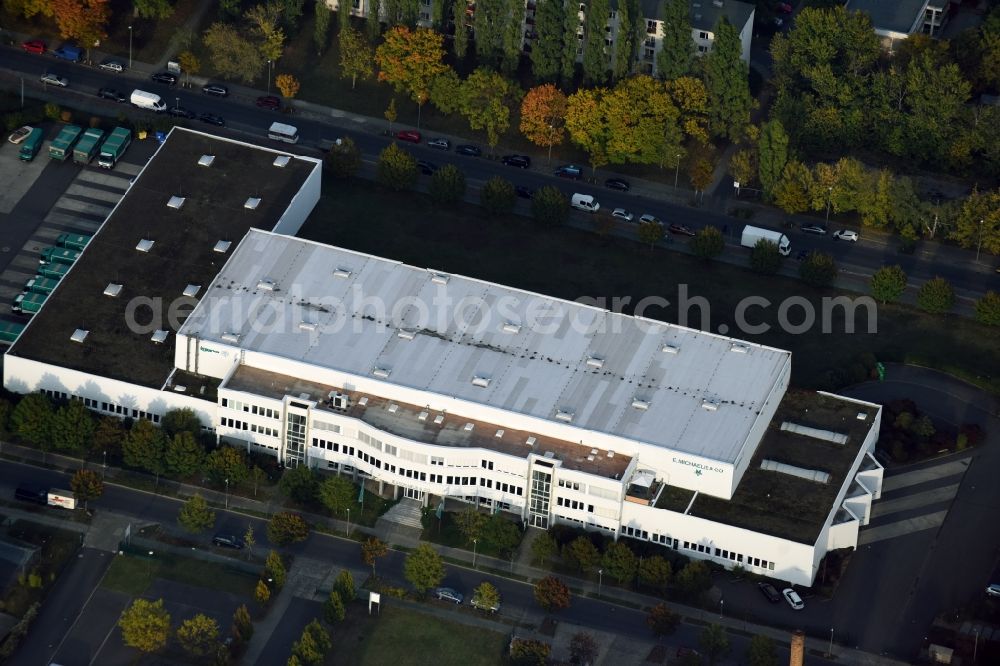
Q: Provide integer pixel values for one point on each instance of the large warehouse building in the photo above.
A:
(437, 386)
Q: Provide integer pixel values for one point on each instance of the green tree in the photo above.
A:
(727, 78)
(373, 548)
(356, 59)
(595, 61)
(337, 494)
(333, 608)
(409, 60)
(936, 296)
(460, 42)
(397, 169)
(285, 528)
(33, 418)
(264, 23)
(390, 113)
(345, 586)
(543, 548)
(589, 124)
(887, 284)
(978, 222)
(108, 437)
(86, 485)
(153, 9)
(242, 628)
(423, 568)
(198, 635)
(762, 652)
(344, 159)
(486, 100)
(714, 643)
(570, 44)
(447, 92)
(262, 593)
(274, 569)
(447, 185)
(227, 462)
(742, 167)
(184, 455)
(662, 621)
(144, 447)
(708, 243)
(249, 540)
(988, 309)
(626, 38)
(529, 652)
(300, 484)
(498, 196)
(547, 50)
(502, 534)
(773, 155)
(765, 258)
(373, 28)
(551, 594)
(650, 232)
(620, 562)
(233, 55)
(655, 572)
(312, 646)
(486, 596)
(582, 554)
(145, 625)
(543, 116)
(72, 427)
(818, 269)
(792, 192)
(321, 26)
(677, 53)
(701, 175)
(694, 579)
(177, 421)
(549, 206)
(196, 516)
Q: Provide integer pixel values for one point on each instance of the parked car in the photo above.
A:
(770, 592)
(793, 598)
(493, 608)
(54, 80)
(622, 214)
(584, 202)
(112, 66)
(112, 94)
(215, 89)
(783, 7)
(617, 184)
(524, 192)
(651, 219)
(519, 161)
(448, 594)
(846, 234)
(681, 229)
(33, 46)
(164, 77)
(425, 167)
(69, 52)
(993, 590)
(818, 229)
(440, 144)
(180, 112)
(468, 149)
(408, 135)
(570, 171)
(228, 541)
(212, 119)
(20, 134)
(268, 102)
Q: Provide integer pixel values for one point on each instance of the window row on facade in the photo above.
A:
(236, 424)
(251, 408)
(106, 407)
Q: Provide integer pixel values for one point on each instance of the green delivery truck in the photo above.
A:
(32, 145)
(73, 241)
(114, 147)
(41, 285)
(88, 145)
(62, 145)
(29, 303)
(55, 271)
(9, 330)
(59, 255)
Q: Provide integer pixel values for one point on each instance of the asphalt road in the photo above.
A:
(241, 114)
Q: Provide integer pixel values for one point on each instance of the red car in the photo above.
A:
(408, 135)
(783, 7)
(33, 46)
(681, 229)
(268, 102)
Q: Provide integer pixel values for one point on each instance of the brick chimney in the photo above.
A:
(798, 651)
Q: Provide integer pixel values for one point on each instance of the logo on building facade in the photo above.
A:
(698, 467)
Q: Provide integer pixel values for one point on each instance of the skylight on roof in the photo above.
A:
(640, 404)
(381, 373)
(670, 349)
(206, 160)
(267, 284)
(222, 246)
(511, 327)
(112, 289)
(192, 289)
(145, 245)
(595, 362)
(405, 334)
(281, 161)
(175, 202)
(481, 382)
(233, 338)
(564, 415)
(437, 278)
(160, 336)
(79, 335)
(468, 427)
(342, 273)
(252, 203)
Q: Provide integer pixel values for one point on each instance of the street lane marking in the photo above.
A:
(917, 500)
(901, 528)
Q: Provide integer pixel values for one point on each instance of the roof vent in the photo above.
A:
(342, 273)
(145, 245)
(564, 415)
(192, 289)
(112, 289)
(175, 202)
(710, 406)
(640, 404)
(437, 278)
(160, 336)
(267, 284)
(670, 349)
(862, 416)
(206, 160)
(307, 326)
(234, 338)
(530, 441)
(363, 401)
(393, 408)
(281, 161)
(468, 427)
(422, 416)
(595, 362)
(405, 334)
(611, 454)
(550, 455)
(590, 458)
(739, 348)
(252, 203)
(499, 434)
(511, 327)
(222, 246)
(439, 419)
(381, 373)
(481, 382)
(180, 389)
(79, 335)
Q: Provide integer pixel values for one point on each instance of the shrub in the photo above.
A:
(447, 185)
(988, 309)
(397, 169)
(818, 269)
(498, 196)
(936, 296)
(887, 284)
(549, 206)
(53, 111)
(765, 258)
(708, 243)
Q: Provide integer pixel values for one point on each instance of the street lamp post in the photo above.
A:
(348, 522)
(829, 195)
(975, 647)
(475, 543)
(177, 102)
(227, 493)
(600, 580)
(130, 47)
(149, 566)
(829, 652)
(979, 245)
(677, 170)
(269, 77)
(722, 603)
(104, 468)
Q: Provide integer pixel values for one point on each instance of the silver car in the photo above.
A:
(622, 214)
(54, 80)
(440, 144)
(113, 66)
(448, 594)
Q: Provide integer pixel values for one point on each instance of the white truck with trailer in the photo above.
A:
(62, 498)
(751, 236)
(147, 100)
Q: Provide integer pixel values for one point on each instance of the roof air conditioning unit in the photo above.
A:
(381, 373)
(437, 278)
(640, 404)
(510, 327)
(481, 382)
(670, 349)
(206, 160)
(175, 203)
(405, 334)
(267, 284)
(342, 273)
(341, 401)
(564, 415)
(595, 362)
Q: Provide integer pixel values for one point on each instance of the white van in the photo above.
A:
(147, 100)
(585, 202)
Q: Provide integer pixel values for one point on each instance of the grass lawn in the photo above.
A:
(446, 533)
(56, 547)
(569, 263)
(132, 574)
(403, 636)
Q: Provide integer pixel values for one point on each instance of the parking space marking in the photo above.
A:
(75, 205)
(104, 178)
(901, 528)
(923, 475)
(94, 193)
(72, 222)
(917, 500)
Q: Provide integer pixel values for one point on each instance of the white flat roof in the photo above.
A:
(481, 342)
